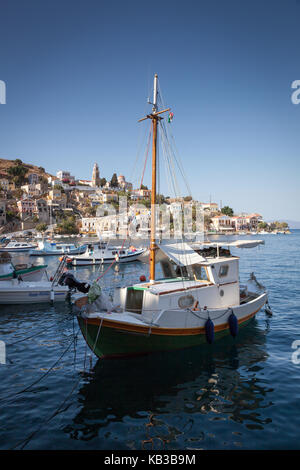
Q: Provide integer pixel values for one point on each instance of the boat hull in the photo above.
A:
(109, 338)
(89, 261)
(29, 274)
(15, 293)
(78, 251)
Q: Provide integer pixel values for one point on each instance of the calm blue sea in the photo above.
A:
(238, 393)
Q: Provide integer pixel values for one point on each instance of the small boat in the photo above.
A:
(61, 287)
(102, 253)
(27, 272)
(17, 246)
(15, 292)
(47, 248)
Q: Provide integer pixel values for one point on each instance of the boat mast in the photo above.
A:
(154, 116)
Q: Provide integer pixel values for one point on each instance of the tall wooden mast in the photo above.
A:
(154, 116)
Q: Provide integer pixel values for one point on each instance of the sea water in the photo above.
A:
(240, 393)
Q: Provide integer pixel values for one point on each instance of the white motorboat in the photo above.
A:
(16, 292)
(47, 248)
(198, 296)
(17, 246)
(28, 272)
(102, 253)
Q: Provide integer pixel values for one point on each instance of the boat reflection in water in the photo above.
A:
(194, 398)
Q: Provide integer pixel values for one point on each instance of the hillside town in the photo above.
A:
(31, 198)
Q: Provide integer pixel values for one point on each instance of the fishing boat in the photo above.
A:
(102, 253)
(17, 246)
(47, 248)
(28, 272)
(197, 298)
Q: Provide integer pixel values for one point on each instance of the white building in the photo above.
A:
(65, 175)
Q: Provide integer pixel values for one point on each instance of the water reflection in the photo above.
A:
(168, 398)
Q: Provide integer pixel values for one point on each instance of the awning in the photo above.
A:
(235, 244)
(181, 253)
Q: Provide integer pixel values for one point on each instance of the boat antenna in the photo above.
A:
(155, 117)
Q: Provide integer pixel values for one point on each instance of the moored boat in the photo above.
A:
(47, 248)
(197, 298)
(17, 246)
(102, 253)
(28, 272)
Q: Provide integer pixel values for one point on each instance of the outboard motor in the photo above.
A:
(67, 279)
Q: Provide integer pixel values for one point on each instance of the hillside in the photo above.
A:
(5, 164)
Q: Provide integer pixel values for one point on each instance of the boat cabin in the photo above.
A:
(189, 281)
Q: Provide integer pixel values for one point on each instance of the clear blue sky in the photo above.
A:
(78, 74)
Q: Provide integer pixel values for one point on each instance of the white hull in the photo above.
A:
(30, 276)
(91, 261)
(184, 319)
(15, 292)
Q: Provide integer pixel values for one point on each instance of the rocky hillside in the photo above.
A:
(5, 164)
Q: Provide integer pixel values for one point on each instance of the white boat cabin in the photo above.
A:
(190, 281)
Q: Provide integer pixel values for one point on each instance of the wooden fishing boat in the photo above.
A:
(199, 296)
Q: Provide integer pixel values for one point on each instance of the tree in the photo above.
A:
(226, 210)
(103, 182)
(68, 225)
(18, 172)
(143, 186)
(114, 181)
(42, 227)
(262, 225)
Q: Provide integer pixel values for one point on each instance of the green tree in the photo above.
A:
(262, 225)
(114, 181)
(226, 210)
(18, 172)
(103, 182)
(42, 227)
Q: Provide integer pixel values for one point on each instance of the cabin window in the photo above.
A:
(186, 301)
(122, 252)
(134, 300)
(200, 273)
(223, 271)
(167, 269)
(181, 271)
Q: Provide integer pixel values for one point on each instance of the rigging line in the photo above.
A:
(58, 410)
(140, 145)
(43, 376)
(177, 159)
(35, 334)
(146, 158)
(174, 177)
